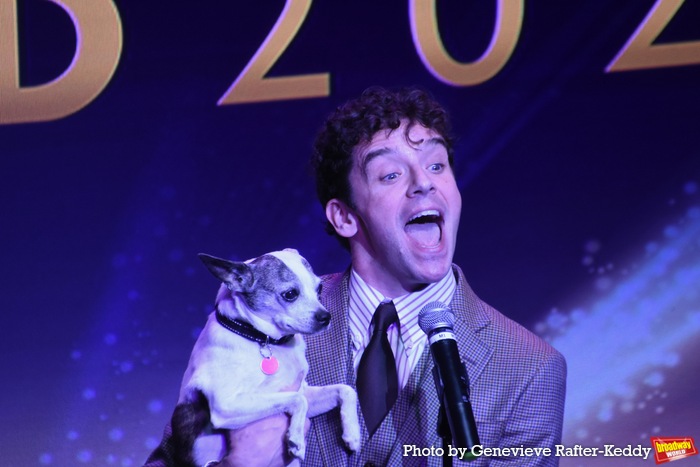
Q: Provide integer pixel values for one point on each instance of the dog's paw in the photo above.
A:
(352, 439)
(348, 416)
(296, 446)
(297, 451)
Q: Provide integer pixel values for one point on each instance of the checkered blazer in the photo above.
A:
(517, 383)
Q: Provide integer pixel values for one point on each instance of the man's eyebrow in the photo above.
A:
(437, 140)
(372, 155)
(434, 141)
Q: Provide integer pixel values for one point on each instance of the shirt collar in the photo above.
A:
(364, 300)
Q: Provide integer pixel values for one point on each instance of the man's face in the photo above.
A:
(406, 210)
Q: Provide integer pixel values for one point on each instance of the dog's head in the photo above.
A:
(277, 293)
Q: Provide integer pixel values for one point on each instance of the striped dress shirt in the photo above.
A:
(406, 338)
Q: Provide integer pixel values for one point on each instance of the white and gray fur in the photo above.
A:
(223, 387)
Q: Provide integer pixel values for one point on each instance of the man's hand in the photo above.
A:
(261, 443)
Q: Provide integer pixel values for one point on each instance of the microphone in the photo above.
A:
(451, 379)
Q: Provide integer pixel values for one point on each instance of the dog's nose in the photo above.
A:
(322, 317)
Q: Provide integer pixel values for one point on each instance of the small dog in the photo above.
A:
(248, 356)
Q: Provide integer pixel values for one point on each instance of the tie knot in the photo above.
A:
(385, 316)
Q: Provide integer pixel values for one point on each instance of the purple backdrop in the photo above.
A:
(581, 210)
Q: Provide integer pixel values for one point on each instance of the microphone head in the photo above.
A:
(435, 315)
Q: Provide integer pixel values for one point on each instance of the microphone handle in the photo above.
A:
(455, 388)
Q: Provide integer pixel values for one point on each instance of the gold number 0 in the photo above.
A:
(426, 37)
(252, 85)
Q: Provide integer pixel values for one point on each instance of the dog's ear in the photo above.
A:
(237, 276)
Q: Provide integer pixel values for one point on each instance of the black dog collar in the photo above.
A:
(246, 330)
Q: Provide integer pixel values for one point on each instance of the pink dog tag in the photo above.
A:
(269, 365)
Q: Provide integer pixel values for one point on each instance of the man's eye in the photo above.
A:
(439, 167)
(390, 177)
(290, 295)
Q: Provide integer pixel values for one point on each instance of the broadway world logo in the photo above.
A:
(671, 449)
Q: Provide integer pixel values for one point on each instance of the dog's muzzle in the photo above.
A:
(322, 317)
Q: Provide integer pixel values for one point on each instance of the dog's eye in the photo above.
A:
(290, 295)
(319, 290)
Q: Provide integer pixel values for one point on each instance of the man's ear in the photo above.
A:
(342, 218)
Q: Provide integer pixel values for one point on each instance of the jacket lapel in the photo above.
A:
(330, 359)
(471, 319)
(329, 350)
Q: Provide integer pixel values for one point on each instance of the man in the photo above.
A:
(384, 175)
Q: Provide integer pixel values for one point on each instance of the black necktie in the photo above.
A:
(377, 383)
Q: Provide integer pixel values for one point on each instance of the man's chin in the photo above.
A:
(431, 258)
(432, 271)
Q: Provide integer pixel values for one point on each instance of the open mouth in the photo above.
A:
(425, 228)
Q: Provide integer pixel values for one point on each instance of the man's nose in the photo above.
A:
(421, 182)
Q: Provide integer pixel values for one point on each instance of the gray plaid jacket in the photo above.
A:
(517, 381)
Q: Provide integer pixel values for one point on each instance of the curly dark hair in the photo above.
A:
(356, 122)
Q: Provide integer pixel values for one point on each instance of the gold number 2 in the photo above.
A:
(252, 85)
(640, 52)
